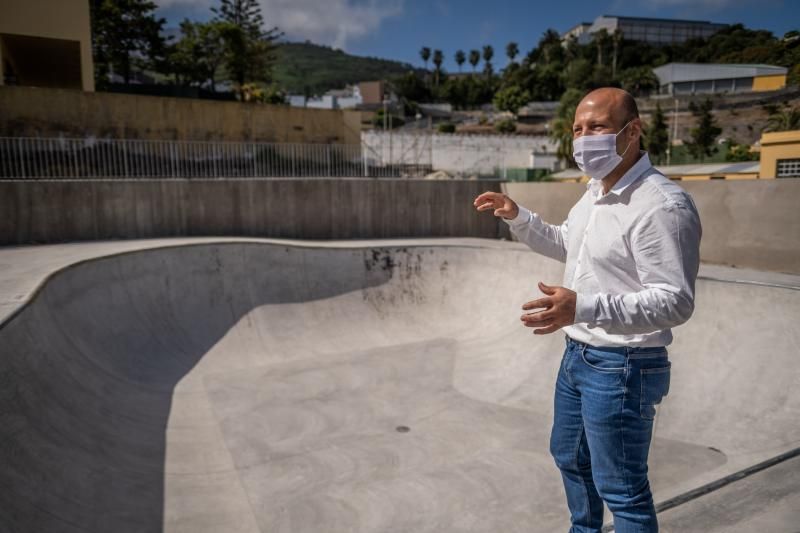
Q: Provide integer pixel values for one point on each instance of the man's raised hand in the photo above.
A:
(558, 310)
(502, 205)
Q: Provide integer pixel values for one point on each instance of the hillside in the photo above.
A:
(310, 67)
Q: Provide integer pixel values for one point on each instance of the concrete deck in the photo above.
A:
(246, 385)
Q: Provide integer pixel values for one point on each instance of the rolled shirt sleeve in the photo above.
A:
(665, 245)
(547, 239)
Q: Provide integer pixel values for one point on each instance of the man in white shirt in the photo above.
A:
(631, 248)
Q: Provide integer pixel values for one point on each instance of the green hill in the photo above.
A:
(312, 68)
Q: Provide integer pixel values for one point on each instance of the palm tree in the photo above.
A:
(787, 119)
(561, 127)
(512, 50)
(425, 54)
(438, 58)
(474, 58)
(488, 54)
(600, 41)
(460, 57)
(617, 38)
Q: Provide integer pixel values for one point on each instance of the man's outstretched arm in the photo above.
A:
(547, 239)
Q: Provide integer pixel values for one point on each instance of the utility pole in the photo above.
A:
(673, 132)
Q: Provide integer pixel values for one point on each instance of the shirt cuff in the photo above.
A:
(523, 217)
(584, 308)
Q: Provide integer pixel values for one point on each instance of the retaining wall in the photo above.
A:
(38, 112)
(754, 224)
(59, 211)
(748, 223)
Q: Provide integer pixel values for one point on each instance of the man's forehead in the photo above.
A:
(593, 112)
(598, 103)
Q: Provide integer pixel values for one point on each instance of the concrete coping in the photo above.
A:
(25, 269)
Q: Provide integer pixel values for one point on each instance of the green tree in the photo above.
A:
(740, 153)
(705, 133)
(506, 126)
(197, 56)
(578, 74)
(512, 50)
(125, 34)
(616, 38)
(250, 51)
(410, 87)
(244, 14)
(488, 54)
(784, 119)
(511, 98)
(561, 127)
(549, 50)
(474, 58)
(425, 54)
(601, 40)
(657, 136)
(460, 57)
(639, 81)
(438, 59)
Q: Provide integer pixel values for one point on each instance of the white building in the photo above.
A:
(704, 78)
(347, 98)
(642, 29)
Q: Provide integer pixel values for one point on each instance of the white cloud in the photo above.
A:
(332, 22)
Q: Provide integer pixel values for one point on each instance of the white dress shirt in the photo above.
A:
(631, 256)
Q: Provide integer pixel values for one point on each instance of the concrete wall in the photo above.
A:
(27, 111)
(52, 19)
(750, 224)
(45, 212)
(754, 224)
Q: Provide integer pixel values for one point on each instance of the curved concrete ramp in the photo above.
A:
(269, 387)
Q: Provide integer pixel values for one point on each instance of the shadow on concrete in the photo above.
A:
(88, 370)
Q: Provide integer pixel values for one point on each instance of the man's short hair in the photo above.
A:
(629, 107)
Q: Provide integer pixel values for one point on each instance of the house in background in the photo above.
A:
(780, 154)
(46, 43)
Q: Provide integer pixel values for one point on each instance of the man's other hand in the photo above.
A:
(558, 310)
(502, 205)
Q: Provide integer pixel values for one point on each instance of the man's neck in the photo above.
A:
(615, 175)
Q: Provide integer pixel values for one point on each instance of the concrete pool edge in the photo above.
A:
(27, 282)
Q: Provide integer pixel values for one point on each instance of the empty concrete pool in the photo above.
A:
(239, 385)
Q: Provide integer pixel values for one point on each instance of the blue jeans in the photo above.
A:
(604, 411)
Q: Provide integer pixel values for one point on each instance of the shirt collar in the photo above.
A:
(627, 179)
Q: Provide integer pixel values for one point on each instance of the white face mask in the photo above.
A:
(596, 155)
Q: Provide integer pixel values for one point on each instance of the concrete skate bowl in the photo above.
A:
(245, 387)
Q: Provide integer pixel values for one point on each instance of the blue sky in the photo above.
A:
(397, 29)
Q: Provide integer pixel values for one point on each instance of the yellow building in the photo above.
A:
(780, 154)
(46, 43)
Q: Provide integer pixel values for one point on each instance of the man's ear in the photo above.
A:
(636, 127)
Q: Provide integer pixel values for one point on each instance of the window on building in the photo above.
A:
(788, 168)
(42, 62)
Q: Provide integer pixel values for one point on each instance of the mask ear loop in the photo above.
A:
(629, 142)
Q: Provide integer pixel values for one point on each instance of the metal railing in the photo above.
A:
(63, 158)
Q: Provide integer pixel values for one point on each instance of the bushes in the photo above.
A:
(506, 126)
